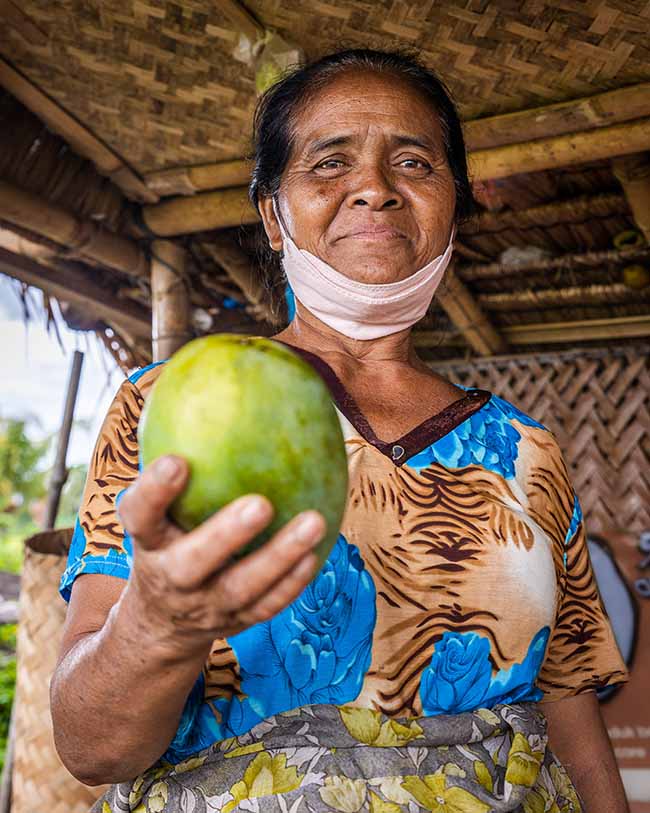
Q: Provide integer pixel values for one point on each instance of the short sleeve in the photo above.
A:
(582, 653)
(100, 543)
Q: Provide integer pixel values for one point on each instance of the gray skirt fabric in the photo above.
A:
(341, 758)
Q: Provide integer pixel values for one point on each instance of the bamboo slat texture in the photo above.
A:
(40, 782)
(597, 404)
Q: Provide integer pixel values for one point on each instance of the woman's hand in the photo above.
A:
(184, 591)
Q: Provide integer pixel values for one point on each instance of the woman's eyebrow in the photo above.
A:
(416, 141)
(325, 143)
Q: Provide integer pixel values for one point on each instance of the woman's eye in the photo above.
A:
(415, 163)
(330, 163)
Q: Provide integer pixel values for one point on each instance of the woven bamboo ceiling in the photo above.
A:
(156, 86)
(158, 82)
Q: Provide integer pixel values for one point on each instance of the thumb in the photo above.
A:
(143, 508)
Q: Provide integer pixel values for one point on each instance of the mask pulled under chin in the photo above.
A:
(360, 310)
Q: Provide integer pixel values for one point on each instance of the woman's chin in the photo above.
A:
(376, 268)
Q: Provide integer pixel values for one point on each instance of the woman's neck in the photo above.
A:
(309, 333)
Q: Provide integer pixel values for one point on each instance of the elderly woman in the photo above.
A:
(456, 616)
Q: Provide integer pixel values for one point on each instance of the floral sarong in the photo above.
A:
(321, 758)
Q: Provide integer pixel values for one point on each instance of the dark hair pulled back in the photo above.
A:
(279, 107)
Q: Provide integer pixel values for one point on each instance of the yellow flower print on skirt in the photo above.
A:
(330, 759)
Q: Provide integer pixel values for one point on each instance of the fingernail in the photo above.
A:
(166, 468)
(252, 509)
(306, 526)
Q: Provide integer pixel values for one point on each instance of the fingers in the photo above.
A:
(246, 581)
(280, 595)
(209, 547)
(143, 507)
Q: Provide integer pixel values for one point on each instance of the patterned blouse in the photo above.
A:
(460, 580)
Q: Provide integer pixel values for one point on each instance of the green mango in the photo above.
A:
(249, 415)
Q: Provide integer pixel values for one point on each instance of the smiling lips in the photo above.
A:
(376, 233)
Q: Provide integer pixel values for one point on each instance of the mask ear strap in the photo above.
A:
(283, 229)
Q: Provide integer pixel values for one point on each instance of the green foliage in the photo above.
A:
(20, 476)
(7, 684)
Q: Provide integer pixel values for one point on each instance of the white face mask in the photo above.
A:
(360, 310)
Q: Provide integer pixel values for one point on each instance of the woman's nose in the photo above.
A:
(373, 188)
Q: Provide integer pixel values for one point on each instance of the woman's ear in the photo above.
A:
(270, 222)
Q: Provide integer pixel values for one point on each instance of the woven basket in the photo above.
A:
(40, 782)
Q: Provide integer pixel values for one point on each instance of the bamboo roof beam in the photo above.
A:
(575, 116)
(73, 286)
(565, 262)
(80, 237)
(624, 327)
(461, 307)
(189, 180)
(170, 299)
(575, 210)
(616, 294)
(209, 210)
(560, 151)
(633, 173)
(80, 138)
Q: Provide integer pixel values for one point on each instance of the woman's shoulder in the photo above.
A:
(144, 378)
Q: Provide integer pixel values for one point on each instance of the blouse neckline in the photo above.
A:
(415, 440)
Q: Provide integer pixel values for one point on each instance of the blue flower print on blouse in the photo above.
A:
(459, 677)
(317, 650)
(487, 438)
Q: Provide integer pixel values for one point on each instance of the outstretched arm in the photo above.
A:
(578, 737)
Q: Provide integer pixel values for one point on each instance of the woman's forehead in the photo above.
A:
(364, 99)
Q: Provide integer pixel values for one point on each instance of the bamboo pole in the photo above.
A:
(566, 262)
(560, 151)
(617, 294)
(576, 210)
(577, 115)
(170, 302)
(209, 210)
(189, 180)
(59, 470)
(468, 317)
(625, 327)
(81, 237)
(633, 173)
(80, 138)
(75, 287)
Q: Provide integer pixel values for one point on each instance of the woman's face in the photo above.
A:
(367, 187)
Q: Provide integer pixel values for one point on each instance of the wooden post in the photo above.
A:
(170, 301)
(633, 173)
(59, 471)
(468, 317)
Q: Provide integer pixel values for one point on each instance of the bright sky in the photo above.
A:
(34, 373)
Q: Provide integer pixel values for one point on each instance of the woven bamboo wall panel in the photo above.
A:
(597, 404)
(157, 80)
(40, 782)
